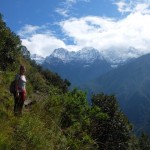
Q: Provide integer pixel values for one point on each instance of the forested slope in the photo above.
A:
(59, 119)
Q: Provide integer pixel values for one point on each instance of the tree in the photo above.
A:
(25, 52)
(144, 142)
(75, 121)
(10, 45)
(56, 80)
(114, 131)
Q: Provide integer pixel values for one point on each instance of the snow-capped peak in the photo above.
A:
(60, 53)
(39, 59)
(89, 54)
(63, 54)
(86, 54)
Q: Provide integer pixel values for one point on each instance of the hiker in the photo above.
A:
(20, 91)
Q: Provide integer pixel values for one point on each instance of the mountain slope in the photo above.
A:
(39, 59)
(131, 84)
(59, 119)
(78, 67)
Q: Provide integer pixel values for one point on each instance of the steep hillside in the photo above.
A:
(58, 119)
(131, 84)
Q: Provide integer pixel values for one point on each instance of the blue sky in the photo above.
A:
(119, 29)
(19, 13)
(38, 12)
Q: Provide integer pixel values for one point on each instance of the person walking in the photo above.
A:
(20, 91)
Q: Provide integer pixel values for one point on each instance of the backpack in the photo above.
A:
(12, 87)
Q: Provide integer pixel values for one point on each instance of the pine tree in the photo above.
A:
(10, 45)
(114, 131)
(144, 142)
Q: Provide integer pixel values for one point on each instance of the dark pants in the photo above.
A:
(18, 104)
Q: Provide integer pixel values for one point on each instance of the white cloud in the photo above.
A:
(110, 35)
(39, 40)
(66, 7)
(70, 2)
(28, 29)
(132, 6)
(42, 44)
(115, 38)
(62, 12)
(123, 7)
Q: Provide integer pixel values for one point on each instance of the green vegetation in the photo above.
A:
(130, 83)
(60, 119)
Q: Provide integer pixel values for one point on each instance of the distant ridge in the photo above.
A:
(39, 59)
(87, 54)
(131, 84)
(79, 67)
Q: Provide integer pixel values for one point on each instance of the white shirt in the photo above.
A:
(21, 80)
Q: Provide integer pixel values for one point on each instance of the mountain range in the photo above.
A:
(128, 80)
(39, 59)
(78, 67)
(131, 85)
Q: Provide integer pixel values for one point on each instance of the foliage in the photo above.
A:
(29, 134)
(75, 121)
(114, 131)
(52, 79)
(144, 142)
(55, 79)
(9, 47)
(25, 52)
(60, 119)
